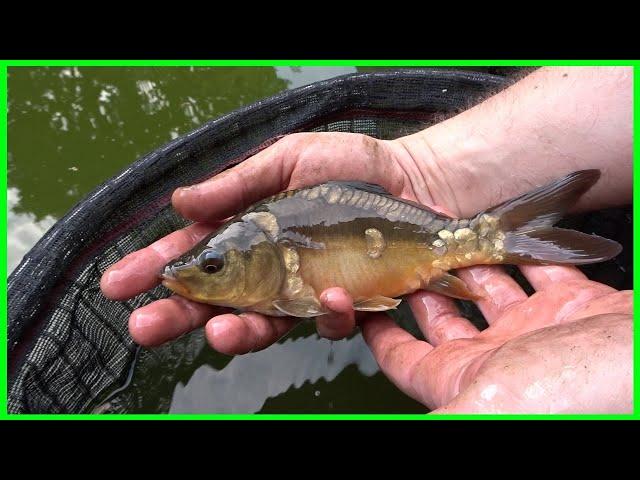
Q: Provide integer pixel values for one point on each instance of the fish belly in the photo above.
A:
(399, 269)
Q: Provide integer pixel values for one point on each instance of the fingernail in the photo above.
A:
(327, 297)
(113, 276)
(184, 191)
(220, 326)
(143, 320)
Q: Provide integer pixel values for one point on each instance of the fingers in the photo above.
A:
(248, 332)
(607, 302)
(233, 190)
(439, 319)
(397, 352)
(167, 319)
(341, 321)
(297, 160)
(498, 290)
(139, 271)
(542, 277)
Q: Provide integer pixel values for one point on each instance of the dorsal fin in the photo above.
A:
(364, 186)
(379, 190)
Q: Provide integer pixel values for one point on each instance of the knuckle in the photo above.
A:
(394, 353)
(261, 331)
(292, 142)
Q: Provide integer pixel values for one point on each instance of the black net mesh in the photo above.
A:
(69, 348)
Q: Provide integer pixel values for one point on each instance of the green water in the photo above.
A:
(70, 129)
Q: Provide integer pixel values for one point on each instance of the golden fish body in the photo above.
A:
(280, 254)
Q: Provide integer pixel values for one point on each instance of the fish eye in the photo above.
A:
(211, 262)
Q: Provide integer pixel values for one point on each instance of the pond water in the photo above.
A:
(70, 129)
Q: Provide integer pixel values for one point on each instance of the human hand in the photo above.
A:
(540, 119)
(565, 349)
(295, 161)
(554, 121)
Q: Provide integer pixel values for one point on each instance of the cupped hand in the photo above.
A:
(295, 161)
(565, 349)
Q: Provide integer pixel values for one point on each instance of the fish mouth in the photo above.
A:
(168, 273)
(170, 281)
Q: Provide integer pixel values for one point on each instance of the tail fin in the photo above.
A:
(527, 222)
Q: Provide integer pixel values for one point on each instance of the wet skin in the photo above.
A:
(537, 355)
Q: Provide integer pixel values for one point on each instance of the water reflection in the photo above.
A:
(248, 381)
(299, 77)
(24, 230)
(100, 120)
(70, 129)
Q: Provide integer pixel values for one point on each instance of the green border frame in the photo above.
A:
(4, 64)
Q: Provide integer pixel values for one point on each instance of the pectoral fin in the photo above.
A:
(452, 286)
(309, 307)
(376, 304)
(300, 307)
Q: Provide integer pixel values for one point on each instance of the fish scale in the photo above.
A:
(278, 255)
(386, 206)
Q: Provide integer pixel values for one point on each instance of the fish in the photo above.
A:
(277, 256)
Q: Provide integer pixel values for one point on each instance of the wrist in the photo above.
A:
(547, 125)
(501, 148)
(457, 166)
